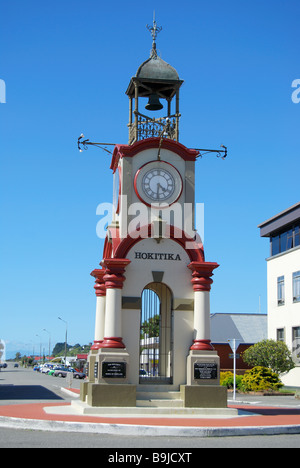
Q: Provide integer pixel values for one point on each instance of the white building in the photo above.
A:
(283, 277)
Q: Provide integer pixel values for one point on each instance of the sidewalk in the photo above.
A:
(256, 416)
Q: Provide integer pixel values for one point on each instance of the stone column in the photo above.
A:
(114, 279)
(100, 291)
(201, 281)
(203, 363)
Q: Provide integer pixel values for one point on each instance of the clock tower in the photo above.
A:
(152, 328)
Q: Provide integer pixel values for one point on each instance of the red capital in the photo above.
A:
(99, 287)
(114, 269)
(201, 276)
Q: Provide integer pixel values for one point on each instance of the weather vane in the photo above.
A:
(154, 30)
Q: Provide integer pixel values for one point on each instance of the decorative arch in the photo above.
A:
(192, 246)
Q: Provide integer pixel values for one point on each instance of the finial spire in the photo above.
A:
(154, 30)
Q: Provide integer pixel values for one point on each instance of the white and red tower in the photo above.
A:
(153, 285)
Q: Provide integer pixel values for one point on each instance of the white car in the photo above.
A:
(45, 369)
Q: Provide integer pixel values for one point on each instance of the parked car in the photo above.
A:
(63, 373)
(46, 369)
(55, 368)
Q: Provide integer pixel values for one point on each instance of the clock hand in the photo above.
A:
(162, 188)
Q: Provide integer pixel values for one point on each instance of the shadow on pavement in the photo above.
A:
(273, 411)
(26, 392)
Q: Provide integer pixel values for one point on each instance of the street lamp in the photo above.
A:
(66, 338)
(40, 346)
(44, 329)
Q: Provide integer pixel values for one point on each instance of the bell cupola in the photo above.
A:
(155, 81)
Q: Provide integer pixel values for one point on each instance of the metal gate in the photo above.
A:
(156, 335)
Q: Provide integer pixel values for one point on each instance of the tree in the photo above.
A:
(269, 353)
(151, 327)
(59, 349)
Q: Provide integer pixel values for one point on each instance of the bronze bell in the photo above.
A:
(154, 103)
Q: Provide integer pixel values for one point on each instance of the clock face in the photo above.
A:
(158, 182)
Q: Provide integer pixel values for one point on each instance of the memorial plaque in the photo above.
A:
(114, 370)
(205, 370)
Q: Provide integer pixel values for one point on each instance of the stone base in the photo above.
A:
(204, 396)
(108, 366)
(203, 368)
(91, 364)
(116, 395)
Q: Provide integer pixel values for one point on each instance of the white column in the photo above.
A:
(100, 318)
(100, 307)
(113, 321)
(114, 279)
(201, 315)
(201, 281)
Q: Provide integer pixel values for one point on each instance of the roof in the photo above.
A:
(280, 220)
(248, 328)
(157, 69)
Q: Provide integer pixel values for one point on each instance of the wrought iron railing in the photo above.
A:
(144, 127)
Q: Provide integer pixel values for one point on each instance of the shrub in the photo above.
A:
(260, 378)
(269, 353)
(227, 378)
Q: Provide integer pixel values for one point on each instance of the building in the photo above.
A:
(247, 328)
(283, 279)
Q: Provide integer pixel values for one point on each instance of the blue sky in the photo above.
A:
(66, 66)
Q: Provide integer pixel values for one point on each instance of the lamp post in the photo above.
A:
(59, 318)
(40, 346)
(44, 329)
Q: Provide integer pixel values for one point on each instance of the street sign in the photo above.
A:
(234, 344)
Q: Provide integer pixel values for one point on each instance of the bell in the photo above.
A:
(154, 104)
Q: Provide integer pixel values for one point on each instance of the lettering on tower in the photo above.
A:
(157, 256)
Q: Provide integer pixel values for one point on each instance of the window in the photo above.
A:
(280, 290)
(289, 240)
(280, 334)
(285, 240)
(296, 286)
(296, 344)
(297, 236)
(275, 245)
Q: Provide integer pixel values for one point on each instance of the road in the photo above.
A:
(21, 386)
(10, 438)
